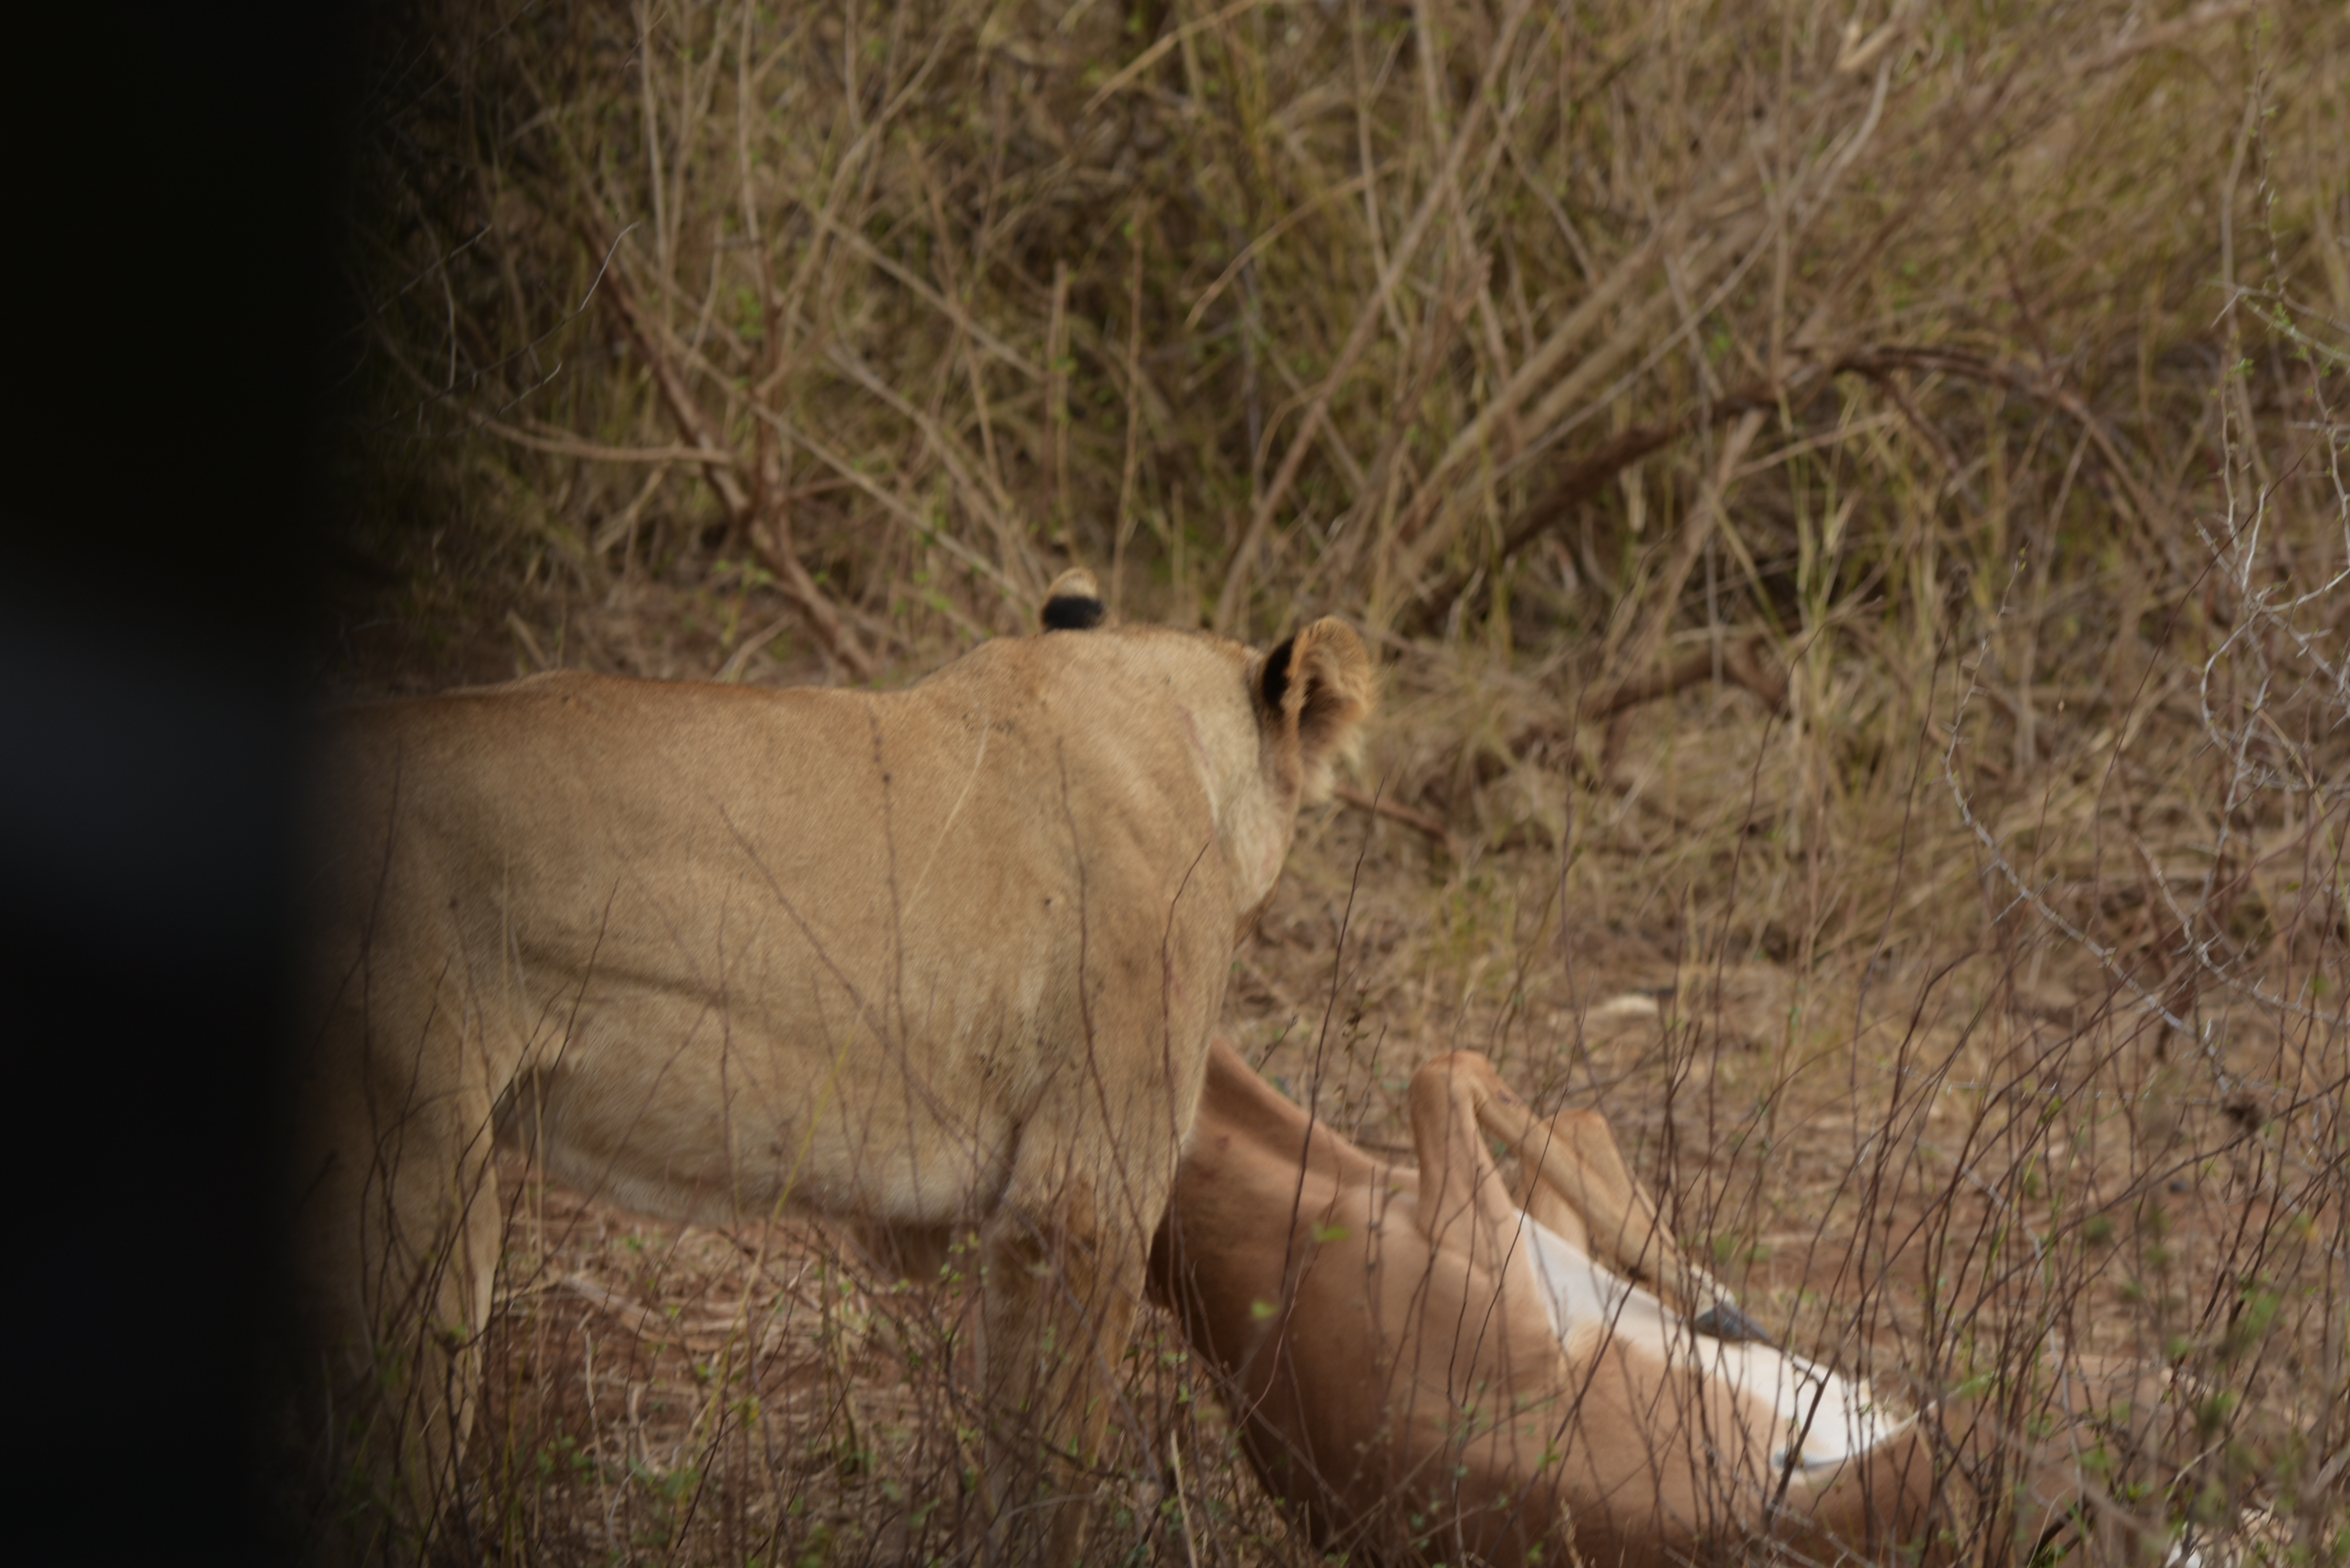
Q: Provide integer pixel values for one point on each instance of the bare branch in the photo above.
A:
(760, 519)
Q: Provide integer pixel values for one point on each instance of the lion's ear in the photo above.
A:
(1072, 603)
(1319, 681)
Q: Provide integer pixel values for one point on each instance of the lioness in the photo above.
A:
(1430, 1367)
(944, 954)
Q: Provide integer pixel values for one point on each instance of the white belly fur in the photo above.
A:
(1833, 1419)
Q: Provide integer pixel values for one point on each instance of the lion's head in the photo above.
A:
(1309, 697)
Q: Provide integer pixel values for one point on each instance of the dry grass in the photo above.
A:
(1855, 516)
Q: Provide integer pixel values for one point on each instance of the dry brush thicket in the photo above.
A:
(1854, 504)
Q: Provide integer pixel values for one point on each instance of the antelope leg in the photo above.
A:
(1458, 1182)
(1576, 1165)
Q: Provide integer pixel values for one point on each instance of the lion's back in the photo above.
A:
(958, 845)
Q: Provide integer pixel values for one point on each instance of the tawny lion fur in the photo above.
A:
(948, 954)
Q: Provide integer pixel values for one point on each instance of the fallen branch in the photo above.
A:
(1875, 362)
(561, 445)
(1742, 665)
(1583, 481)
(1418, 820)
(1585, 477)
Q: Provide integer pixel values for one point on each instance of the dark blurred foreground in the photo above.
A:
(173, 185)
